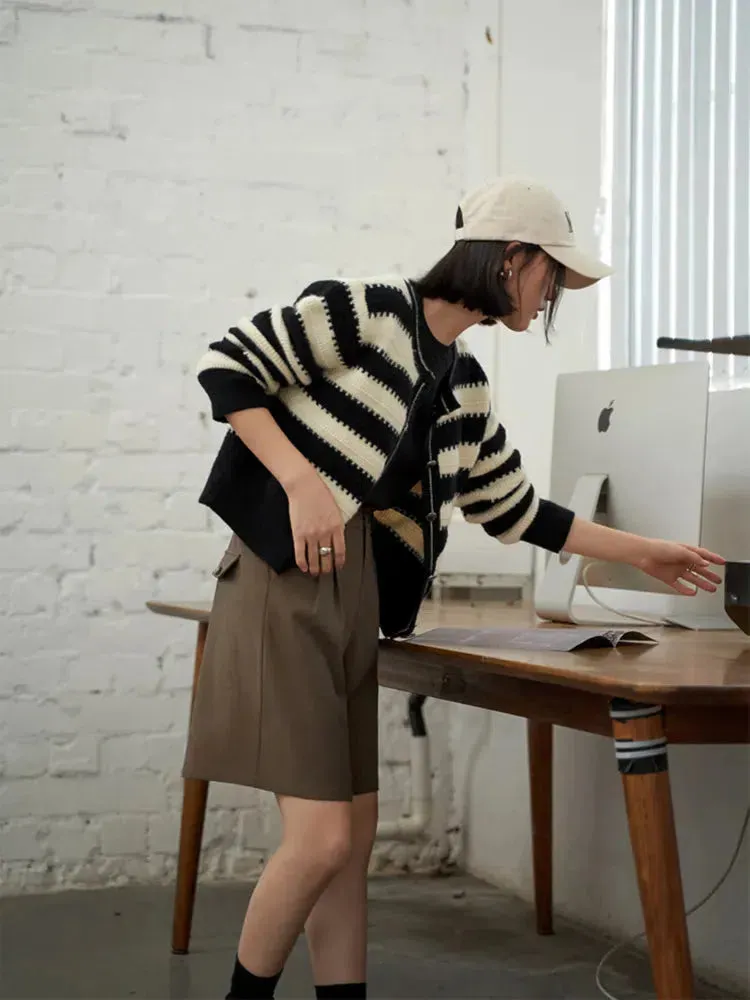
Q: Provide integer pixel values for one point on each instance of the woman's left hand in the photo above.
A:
(685, 568)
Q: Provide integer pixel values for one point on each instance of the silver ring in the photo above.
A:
(325, 550)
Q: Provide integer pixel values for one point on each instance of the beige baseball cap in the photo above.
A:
(514, 208)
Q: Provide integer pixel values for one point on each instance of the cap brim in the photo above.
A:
(581, 270)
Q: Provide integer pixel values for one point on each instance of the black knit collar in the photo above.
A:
(437, 361)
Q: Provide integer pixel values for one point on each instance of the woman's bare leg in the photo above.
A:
(316, 846)
(336, 929)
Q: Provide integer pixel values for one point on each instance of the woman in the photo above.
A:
(358, 422)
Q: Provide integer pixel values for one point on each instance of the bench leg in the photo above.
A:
(191, 835)
(540, 739)
(641, 748)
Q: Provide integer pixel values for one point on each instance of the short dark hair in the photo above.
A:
(471, 274)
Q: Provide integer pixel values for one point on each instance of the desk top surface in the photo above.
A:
(709, 667)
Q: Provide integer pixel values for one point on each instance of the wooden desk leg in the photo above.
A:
(641, 749)
(191, 834)
(540, 739)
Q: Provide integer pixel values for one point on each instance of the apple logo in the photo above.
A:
(604, 418)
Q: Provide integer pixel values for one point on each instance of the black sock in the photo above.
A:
(356, 991)
(246, 986)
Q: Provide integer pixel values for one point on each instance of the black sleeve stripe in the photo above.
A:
(258, 358)
(473, 426)
(344, 322)
(349, 476)
(230, 350)
(469, 430)
(507, 521)
(466, 429)
(482, 506)
(300, 344)
(321, 288)
(477, 508)
(263, 323)
(513, 464)
(447, 435)
(361, 420)
(243, 338)
(497, 442)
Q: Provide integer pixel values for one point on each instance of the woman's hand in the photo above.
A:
(685, 568)
(317, 524)
(315, 516)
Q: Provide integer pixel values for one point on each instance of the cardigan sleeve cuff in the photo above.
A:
(230, 392)
(550, 528)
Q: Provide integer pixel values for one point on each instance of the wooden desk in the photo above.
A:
(691, 688)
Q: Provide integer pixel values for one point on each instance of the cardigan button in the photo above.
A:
(432, 516)
(432, 464)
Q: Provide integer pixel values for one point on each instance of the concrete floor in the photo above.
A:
(448, 937)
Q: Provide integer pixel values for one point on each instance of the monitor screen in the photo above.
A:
(645, 429)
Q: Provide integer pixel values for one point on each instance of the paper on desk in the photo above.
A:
(554, 639)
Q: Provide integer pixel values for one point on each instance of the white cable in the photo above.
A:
(641, 619)
(689, 913)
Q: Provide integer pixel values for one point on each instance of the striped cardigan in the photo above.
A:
(340, 370)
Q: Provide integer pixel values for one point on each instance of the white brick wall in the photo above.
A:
(166, 165)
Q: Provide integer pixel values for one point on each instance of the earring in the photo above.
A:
(508, 274)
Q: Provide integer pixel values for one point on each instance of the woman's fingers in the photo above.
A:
(709, 575)
(313, 556)
(300, 553)
(316, 524)
(707, 555)
(339, 547)
(320, 552)
(700, 573)
(694, 578)
(326, 551)
(703, 579)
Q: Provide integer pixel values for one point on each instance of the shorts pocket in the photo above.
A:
(227, 565)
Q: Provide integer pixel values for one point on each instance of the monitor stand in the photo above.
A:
(555, 598)
(556, 594)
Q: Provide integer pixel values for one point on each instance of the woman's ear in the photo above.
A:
(509, 265)
(511, 251)
(516, 256)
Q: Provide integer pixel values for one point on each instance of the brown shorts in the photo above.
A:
(287, 698)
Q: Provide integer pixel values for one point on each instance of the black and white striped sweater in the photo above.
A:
(340, 370)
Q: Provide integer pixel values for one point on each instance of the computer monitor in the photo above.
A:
(725, 527)
(629, 451)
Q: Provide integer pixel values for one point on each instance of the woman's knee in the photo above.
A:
(333, 849)
(319, 833)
